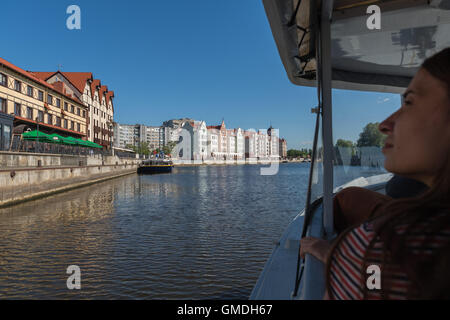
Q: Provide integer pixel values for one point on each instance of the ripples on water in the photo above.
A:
(198, 233)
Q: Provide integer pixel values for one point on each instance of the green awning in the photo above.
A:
(37, 135)
(84, 143)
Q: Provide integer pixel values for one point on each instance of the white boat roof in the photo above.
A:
(382, 60)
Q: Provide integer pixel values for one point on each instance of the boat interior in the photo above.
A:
(336, 45)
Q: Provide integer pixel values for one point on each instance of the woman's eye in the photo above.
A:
(407, 102)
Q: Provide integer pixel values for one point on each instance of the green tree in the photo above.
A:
(344, 143)
(167, 149)
(371, 136)
(292, 153)
(131, 147)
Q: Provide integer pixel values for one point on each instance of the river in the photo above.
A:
(198, 233)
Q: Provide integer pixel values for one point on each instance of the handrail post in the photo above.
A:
(327, 127)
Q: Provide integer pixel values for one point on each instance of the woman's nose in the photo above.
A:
(388, 124)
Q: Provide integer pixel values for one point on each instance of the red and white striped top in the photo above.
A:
(348, 280)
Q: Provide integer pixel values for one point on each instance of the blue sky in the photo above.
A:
(203, 59)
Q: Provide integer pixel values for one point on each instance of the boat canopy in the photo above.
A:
(383, 60)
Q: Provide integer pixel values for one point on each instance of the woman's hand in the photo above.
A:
(316, 247)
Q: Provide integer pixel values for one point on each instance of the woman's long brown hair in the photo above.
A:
(427, 215)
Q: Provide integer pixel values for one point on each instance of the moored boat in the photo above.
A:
(154, 166)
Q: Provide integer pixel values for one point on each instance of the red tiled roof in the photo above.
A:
(213, 127)
(42, 75)
(109, 95)
(34, 77)
(101, 92)
(78, 79)
(96, 83)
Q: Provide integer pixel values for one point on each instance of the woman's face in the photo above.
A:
(418, 134)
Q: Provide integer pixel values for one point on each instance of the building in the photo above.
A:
(155, 137)
(198, 140)
(136, 134)
(29, 100)
(95, 96)
(250, 137)
(283, 148)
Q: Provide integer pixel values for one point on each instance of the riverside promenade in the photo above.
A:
(29, 176)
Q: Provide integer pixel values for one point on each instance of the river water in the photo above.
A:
(198, 233)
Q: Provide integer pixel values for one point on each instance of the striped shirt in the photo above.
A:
(347, 278)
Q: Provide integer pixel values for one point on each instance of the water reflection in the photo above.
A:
(201, 232)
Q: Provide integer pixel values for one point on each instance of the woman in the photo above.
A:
(407, 240)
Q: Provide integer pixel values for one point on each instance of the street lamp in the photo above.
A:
(37, 132)
(110, 125)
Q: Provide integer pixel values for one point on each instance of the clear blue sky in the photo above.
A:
(204, 59)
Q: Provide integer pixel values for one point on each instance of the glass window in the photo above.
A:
(58, 121)
(30, 113)
(78, 111)
(30, 91)
(49, 119)
(3, 105)
(65, 123)
(58, 103)
(3, 80)
(66, 106)
(72, 109)
(78, 127)
(6, 136)
(49, 99)
(40, 116)
(18, 109)
(40, 95)
(357, 140)
(17, 85)
(84, 114)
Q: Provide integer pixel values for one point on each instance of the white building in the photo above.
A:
(198, 139)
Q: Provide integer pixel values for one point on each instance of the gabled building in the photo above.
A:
(28, 99)
(198, 139)
(95, 96)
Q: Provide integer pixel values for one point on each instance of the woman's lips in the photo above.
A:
(387, 146)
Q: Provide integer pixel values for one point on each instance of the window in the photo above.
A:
(58, 103)
(40, 116)
(17, 85)
(65, 123)
(84, 114)
(66, 106)
(30, 91)
(49, 119)
(49, 99)
(78, 127)
(18, 109)
(3, 105)
(58, 121)
(3, 80)
(71, 125)
(40, 95)
(6, 136)
(78, 111)
(30, 113)
(72, 109)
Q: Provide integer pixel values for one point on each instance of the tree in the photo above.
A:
(371, 136)
(131, 147)
(167, 149)
(292, 153)
(344, 143)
